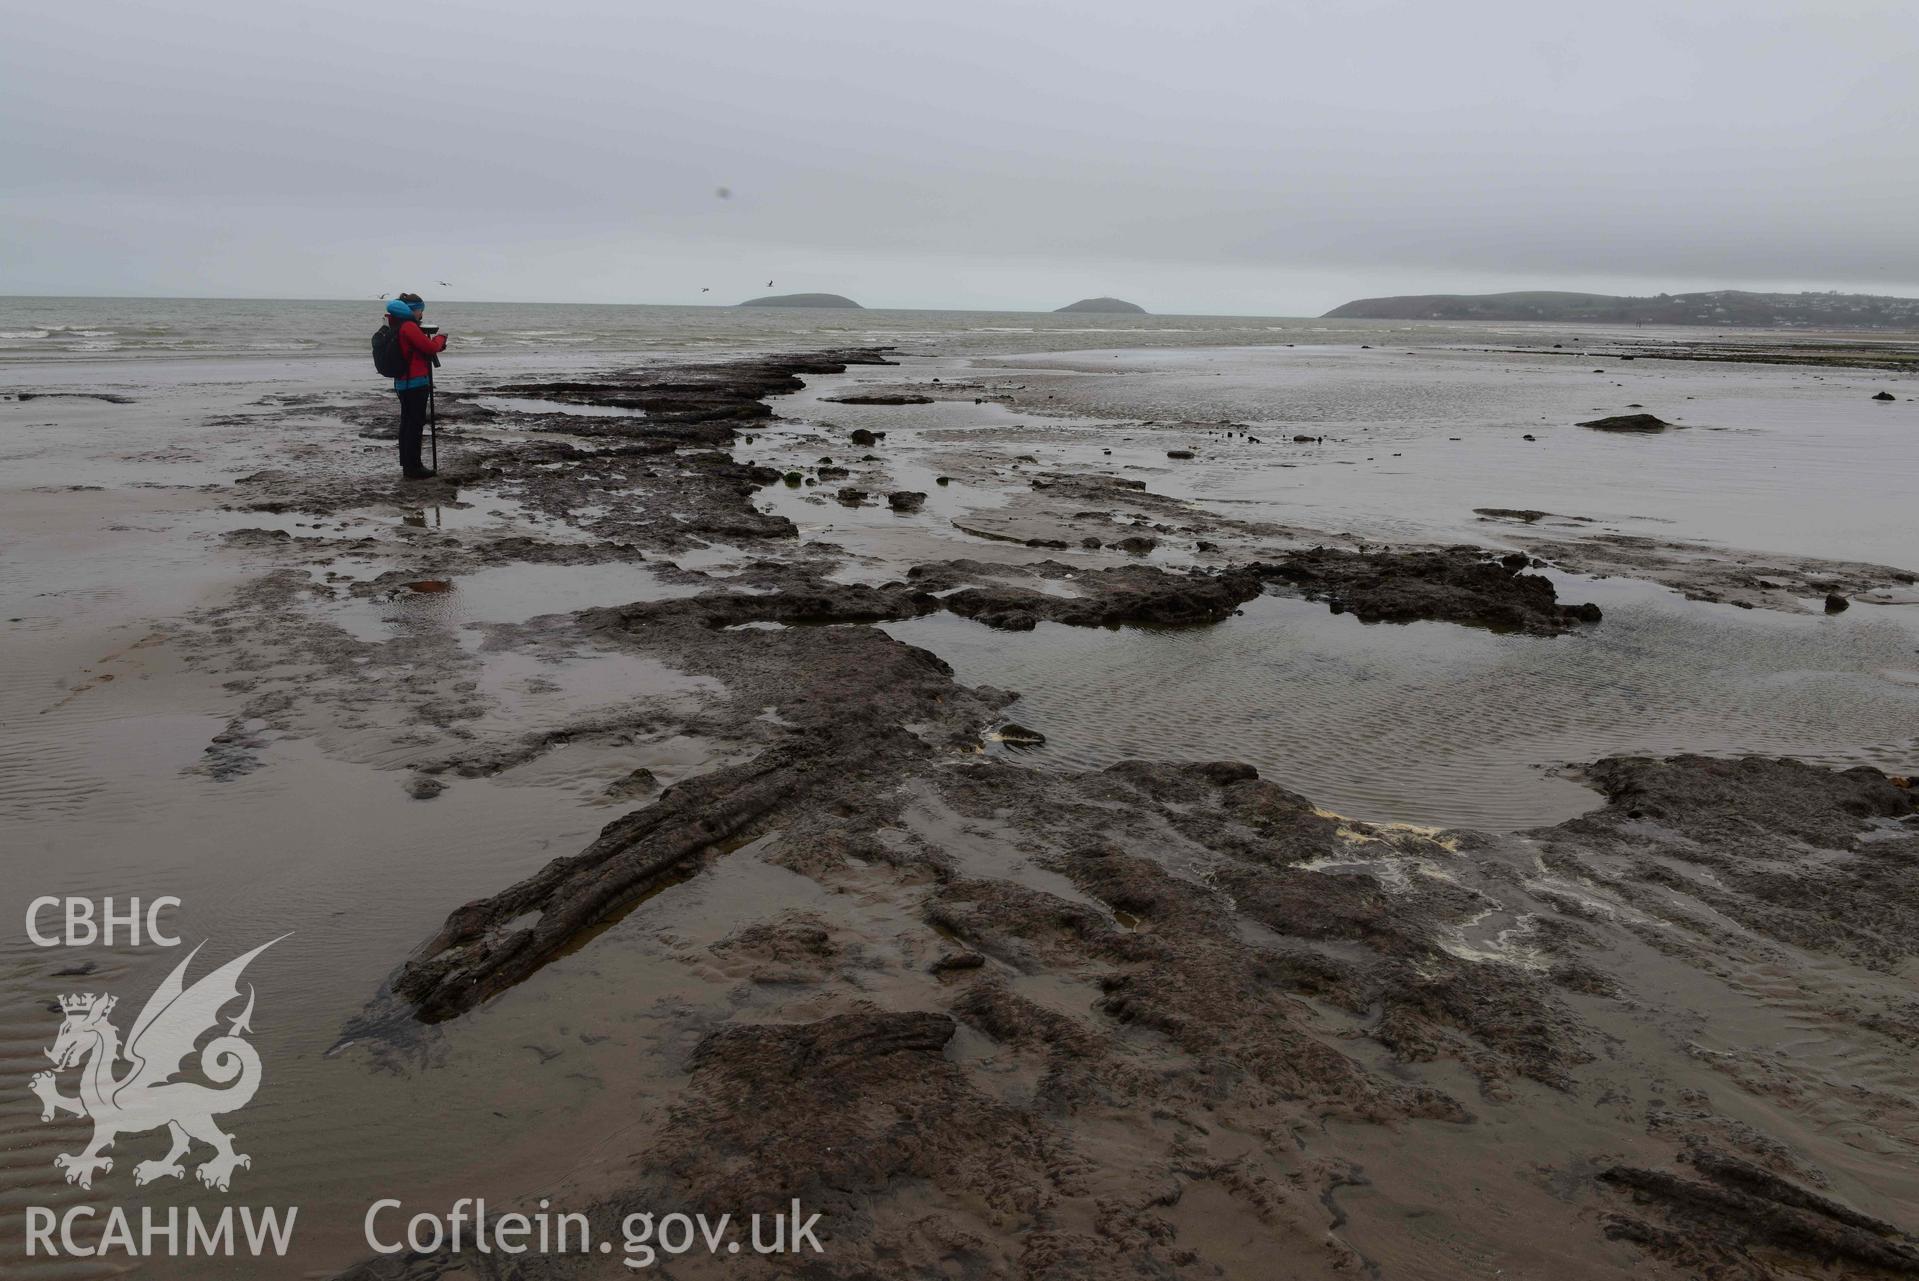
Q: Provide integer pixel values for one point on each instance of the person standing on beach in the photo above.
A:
(415, 386)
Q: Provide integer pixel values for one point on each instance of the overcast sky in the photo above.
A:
(1271, 156)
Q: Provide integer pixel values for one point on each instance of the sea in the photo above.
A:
(92, 329)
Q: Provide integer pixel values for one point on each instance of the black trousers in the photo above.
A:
(412, 423)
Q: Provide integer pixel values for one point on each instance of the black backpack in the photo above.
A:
(389, 358)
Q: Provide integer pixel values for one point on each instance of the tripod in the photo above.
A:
(433, 413)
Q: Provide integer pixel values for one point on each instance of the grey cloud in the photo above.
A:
(923, 154)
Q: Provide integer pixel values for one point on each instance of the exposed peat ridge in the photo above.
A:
(1155, 1020)
(1456, 585)
(881, 398)
(107, 397)
(1749, 580)
(1629, 423)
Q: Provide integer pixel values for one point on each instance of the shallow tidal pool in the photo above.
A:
(1437, 724)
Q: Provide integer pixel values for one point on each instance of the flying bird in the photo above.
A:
(769, 284)
(382, 297)
(444, 285)
(706, 291)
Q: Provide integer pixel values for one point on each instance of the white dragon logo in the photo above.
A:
(147, 1097)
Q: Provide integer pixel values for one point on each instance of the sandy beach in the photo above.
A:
(1145, 803)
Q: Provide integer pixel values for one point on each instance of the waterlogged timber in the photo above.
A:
(764, 845)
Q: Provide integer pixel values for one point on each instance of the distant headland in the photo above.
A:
(1108, 305)
(1720, 307)
(803, 300)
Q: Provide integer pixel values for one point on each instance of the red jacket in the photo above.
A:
(418, 347)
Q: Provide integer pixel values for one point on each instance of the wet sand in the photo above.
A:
(1007, 1008)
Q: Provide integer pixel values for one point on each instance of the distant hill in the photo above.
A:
(803, 300)
(1721, 307)
(1108, 305)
